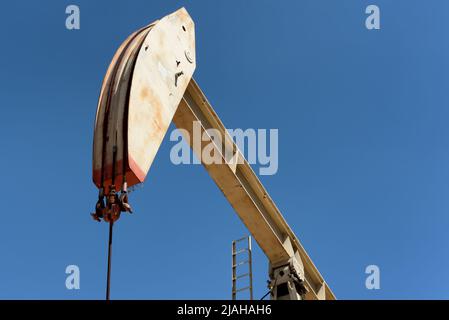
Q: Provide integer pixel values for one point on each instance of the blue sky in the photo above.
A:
(363, 152)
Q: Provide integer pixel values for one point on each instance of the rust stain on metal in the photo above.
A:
(144, 93)
(147, 96)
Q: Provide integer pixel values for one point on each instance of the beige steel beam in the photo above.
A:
(245, 192)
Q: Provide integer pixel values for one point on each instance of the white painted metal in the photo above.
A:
(141, 91)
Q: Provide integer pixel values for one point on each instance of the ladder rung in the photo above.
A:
(239, 251)
(241, 276)
(242, 289)
(240, 263)
(241, 239)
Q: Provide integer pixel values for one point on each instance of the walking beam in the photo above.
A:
(246, 194)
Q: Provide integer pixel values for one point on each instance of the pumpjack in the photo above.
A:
(148, 85)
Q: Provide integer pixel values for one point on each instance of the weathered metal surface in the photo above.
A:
(161, 76)
(106, 112)
(141, 91)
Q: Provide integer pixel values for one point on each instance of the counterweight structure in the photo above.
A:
(147, 86)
